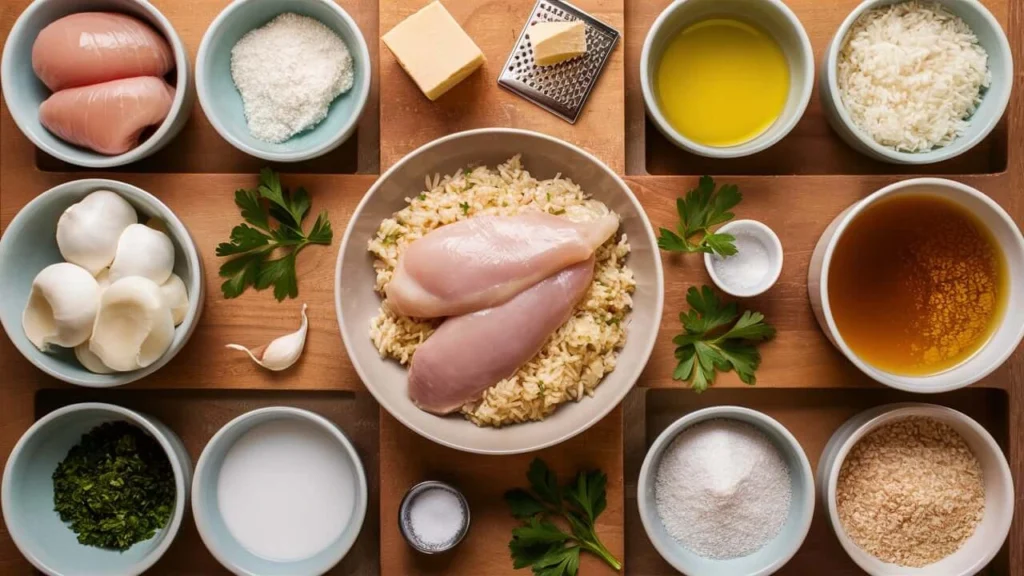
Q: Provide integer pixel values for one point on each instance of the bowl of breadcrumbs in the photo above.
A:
(916, 489)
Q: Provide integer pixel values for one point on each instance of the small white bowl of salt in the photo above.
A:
(433, 517)
(756, 265)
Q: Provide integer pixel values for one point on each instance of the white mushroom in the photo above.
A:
(143, 251)
(282, 352)
(87, 232)
(134, 326)
(61, 307)
(90, 361)
(176, 297)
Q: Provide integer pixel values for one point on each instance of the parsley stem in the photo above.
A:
(597, 548)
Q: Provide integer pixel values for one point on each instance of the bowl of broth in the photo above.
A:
(921, 285)
(726, 78)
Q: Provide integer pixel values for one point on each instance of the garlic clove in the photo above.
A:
(282, 352)
(90, 361)
(176, 297)
(88, 232)
(61, 306)
(143, 251)
(134, 325)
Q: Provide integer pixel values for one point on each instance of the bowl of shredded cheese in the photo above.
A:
(916, 81)
(283, 81)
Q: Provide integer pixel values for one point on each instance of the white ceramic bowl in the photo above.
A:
(24, 92)
(544, 157)
(994, 527)
(1011, 328)
(772, 16)
(773, 256)
(776, 553)
(1000, 62)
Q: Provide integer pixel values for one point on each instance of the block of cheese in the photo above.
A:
(434, 50)
(555, 42)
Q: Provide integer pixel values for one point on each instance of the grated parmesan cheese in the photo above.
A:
(911, 75)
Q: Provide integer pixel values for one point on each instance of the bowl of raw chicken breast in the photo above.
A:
(499, 290)
(97, 83)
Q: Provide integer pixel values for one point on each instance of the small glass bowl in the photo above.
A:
(405, 523)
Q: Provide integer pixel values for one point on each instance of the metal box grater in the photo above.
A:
(563, 88)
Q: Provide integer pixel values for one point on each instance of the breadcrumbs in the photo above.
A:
(911, 492)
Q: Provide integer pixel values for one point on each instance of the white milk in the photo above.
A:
(286, 490)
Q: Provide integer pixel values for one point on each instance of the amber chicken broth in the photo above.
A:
(916, 285)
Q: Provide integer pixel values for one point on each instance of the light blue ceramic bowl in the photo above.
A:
(29, 244)
(773, 555)
(27, 494)
(223, 104)
(206, 510)
(24, 92)
(994, 101)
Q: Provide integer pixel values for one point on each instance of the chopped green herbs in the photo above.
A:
(465, 207)
(115, 487)
(703, 208)
(541, 544)
(706, 347)
(254, 242)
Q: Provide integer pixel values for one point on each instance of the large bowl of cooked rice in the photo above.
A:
(584, 368)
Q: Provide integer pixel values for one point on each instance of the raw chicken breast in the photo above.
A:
(468, 354)
(481, 262)
(93, 47)
(108, 118)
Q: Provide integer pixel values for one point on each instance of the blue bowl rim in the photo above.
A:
(955, 148)
(203, 469)
(117, 413)
(361, 55)
(196, 287)
(649, 517)
(156, 140)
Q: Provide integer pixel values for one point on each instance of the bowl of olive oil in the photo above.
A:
(921, 285)
(726, 78)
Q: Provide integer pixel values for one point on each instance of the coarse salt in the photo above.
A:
(722, 490)
(288, 73)
(436, 517)
(747, 268)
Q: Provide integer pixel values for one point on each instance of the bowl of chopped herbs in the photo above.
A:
(95, 489)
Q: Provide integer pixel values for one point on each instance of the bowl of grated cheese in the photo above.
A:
(284, 81)
(916, 82)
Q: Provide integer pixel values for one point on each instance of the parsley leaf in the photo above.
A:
(704, 348)
(539, 542)
(264, 255)
(701, 209)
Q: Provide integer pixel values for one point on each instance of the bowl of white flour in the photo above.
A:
(726, 491)
(284, 81)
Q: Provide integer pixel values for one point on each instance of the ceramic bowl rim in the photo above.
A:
(202, 469)
(776, 272)
(658, 280)
(760, 420)
(922, 384)
(894, 413)
(756, 144)
(958, 146)
(178, 232)
(119, 413)
(360, 55)
(182, 66)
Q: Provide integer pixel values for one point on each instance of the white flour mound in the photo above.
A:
(288, 73)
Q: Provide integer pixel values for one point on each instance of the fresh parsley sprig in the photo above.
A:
(701, 209)
(263, 254)
(540, 543)
(706, 347)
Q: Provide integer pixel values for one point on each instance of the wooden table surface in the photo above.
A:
(796, 187)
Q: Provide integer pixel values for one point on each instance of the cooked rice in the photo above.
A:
(578, 355)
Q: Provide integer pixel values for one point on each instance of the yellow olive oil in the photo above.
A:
(916, 285)
(722, 82)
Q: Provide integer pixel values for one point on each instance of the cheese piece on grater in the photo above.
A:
(555, 42)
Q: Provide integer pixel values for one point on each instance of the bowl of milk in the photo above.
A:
(279, 491)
